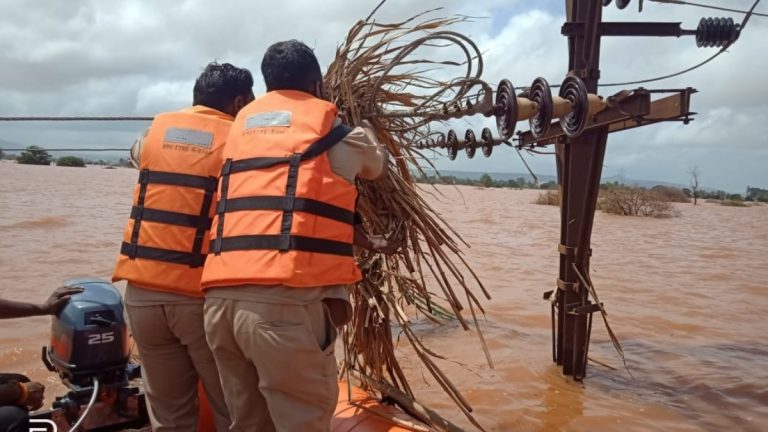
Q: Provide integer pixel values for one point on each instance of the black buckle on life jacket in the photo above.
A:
(132, 250)
(226, 169)
(144, 176)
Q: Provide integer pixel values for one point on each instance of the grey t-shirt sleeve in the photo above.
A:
(359, 154)
(135, 154)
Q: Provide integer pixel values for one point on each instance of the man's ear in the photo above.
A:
(320, 90)
(239, 103)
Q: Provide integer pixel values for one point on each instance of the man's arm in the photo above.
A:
(13, 309)
(28, 394)
(373, 243)
(376, 156)
(358, 155)
(10, 394)
(135, 155)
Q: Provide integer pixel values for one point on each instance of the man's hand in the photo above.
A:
(35, 396)
(380, 244)
(58, 299)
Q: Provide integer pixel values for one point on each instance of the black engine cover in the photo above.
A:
(89, 336)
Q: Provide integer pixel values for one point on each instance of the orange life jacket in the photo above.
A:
(283, 217)
(166, 238)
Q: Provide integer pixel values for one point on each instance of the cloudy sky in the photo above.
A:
(104, 57)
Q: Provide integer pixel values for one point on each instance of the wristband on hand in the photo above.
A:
(24, 393)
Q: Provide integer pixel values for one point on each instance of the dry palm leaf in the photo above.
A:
(384, 73)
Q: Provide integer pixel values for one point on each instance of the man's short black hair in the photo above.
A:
(219, 85)
(290, 65)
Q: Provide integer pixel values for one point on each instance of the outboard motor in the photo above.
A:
(89, 351)
(89, 337)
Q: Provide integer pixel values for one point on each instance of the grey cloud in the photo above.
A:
(141, 57)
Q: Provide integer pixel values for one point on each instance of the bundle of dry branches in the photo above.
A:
(382, 75)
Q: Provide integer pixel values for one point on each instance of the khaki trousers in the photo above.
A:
(174, 356)
(276, 363)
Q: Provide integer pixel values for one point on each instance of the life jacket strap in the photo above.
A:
(165, 255)
(275, 242)
(170, 217)
(305, 205)
(177, 179)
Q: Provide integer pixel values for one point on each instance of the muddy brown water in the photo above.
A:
(688, 297)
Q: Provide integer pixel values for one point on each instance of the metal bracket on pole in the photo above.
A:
(633, 109)
(630, 29)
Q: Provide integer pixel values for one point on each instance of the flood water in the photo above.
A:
(686, 296)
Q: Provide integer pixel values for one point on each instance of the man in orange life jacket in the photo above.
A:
(165, 243)
(281, 256)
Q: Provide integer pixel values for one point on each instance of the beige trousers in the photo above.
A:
(174, 356)
(276, 362)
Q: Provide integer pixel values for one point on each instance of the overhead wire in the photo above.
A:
(748, 15)
(73, 118)
(706, 6)
(722, 50)
(70, 149)
(76, 118)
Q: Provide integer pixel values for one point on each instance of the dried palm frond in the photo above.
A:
(384, 74)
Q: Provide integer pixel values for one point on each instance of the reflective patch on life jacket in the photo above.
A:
(189, 136)
(269, 119)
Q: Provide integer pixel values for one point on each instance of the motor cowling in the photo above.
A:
(89, 336)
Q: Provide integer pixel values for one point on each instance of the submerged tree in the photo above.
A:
(34, 155)
(486, 180)
(695, 173)
(70, 161)
(756, 194)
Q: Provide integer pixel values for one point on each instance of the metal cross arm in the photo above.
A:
(675, 107)
(624, 110)
(651, 29)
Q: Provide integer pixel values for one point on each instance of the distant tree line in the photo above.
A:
(756, 194)
(666, 193)
(486, 181)
(714, 195)
(36, 155)
(623, 200)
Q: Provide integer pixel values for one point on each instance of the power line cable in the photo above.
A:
(701, 5)
(69, 149)
(722, 50)
(744, 22)
(75, 118)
